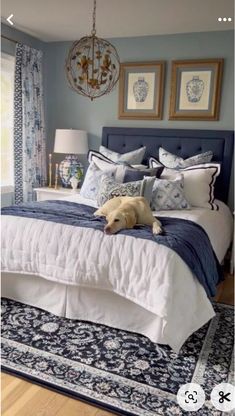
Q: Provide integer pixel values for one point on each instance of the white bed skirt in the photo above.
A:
(95, 305)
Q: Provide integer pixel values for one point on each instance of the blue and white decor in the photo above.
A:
(171, 161)
(29, 125)
(194, 89)
(91, 184)
(109, 188)
(169, 194)
(71, 142)
(68, 168)
(140, 90)
(118, 370)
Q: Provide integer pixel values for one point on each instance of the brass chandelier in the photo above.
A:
(92, 65)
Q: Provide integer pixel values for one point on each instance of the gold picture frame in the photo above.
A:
(196, 89)
(141, 90)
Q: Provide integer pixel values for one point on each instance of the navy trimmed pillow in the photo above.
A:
(124, 172)
(199, 182)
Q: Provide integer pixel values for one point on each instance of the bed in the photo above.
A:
(107, 291)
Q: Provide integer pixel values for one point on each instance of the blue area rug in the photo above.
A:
(116, 370)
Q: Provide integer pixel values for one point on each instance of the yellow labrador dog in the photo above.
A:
(125, 212)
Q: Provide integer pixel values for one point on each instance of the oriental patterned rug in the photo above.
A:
(117, 370)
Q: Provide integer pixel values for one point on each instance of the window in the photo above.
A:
(7, 150)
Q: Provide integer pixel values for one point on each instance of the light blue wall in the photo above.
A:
(67, 109)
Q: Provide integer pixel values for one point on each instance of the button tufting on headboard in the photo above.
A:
(184, 142)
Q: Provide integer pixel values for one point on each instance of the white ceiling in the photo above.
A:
(58, 20)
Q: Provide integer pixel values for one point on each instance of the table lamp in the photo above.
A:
(72, 143)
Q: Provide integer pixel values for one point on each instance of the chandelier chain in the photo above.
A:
(93, 32)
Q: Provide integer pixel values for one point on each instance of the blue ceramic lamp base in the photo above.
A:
(69, 168)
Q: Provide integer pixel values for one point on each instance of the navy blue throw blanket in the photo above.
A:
(186, 238)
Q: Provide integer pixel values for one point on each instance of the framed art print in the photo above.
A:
(196, 89)
(141, 90)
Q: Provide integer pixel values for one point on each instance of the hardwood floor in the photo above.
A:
(225, 292)
(21, 398)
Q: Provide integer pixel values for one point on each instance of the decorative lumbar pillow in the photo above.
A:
(199, 183)
(134, 157)
(169, 160)
(110, 189)
(169, 194)
(132, 174)
(91, 184)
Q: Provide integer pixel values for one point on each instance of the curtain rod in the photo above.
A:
(10, 39)
(15, 41)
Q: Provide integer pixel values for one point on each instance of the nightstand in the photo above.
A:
(46, 193)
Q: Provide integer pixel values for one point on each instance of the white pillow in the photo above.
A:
(169, 160)
(94, 155)
(123, 170)
(134, 158)
(199, 183)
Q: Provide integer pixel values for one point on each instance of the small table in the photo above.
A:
(47, 193)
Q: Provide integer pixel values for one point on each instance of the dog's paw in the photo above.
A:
(98, 213)
(157, 229)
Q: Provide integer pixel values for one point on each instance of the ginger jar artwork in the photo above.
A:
(194, 89)
(140, 90)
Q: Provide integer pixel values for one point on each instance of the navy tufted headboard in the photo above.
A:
(184, 143)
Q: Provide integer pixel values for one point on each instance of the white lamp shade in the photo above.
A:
(71, 141)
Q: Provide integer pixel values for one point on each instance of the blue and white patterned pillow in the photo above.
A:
(171, 161)
(134, 157)
(169, 194)
(110, 189)
(91, 184)
(124, 171)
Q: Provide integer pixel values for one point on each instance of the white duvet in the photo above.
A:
(144, 272)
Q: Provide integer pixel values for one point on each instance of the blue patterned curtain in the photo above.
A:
(29, 125)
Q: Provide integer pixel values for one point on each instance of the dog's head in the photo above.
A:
(119, 220)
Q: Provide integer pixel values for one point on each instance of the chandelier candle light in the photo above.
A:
(72, 142)
(92, 65)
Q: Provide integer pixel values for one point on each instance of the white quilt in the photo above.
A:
(148, 274)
